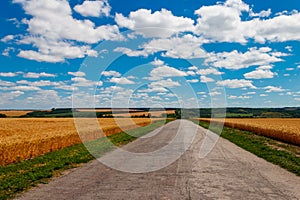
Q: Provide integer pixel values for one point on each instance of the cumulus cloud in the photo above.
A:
(78, 73)
(168, 83)
(111, 73)
(21, 88)
(7, 38)
(236, 83)
(121, 80)
(37, 75)
(187, 47)
(208, 71)
(223, 23)
(6, 83)
(238, 60)
(220, 23)
(39, 83)
(165, 71)
(193, 81)
(260, 73)
(263, 13)
(214, 93)
(205, 79)
(239, 97)
(8, 74)
(83, 82)
(273, 89)
(53, 31)
(93, 8)
(159, 24)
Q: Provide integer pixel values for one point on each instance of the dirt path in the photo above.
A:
(228, 172)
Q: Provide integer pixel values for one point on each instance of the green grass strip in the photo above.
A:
(21, 176)
(278, 153)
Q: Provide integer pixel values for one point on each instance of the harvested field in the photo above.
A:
(286, 130)
(24, 138)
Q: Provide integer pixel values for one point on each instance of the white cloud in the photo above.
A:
(37, 75)
(237, 60)
(168, 83)
(165, 71)
(93, 8)
(289, 48)
(286, 75)
(7, 38)
(263, 13)
(156, 89)
(289, 69)
(54, 51)
(193, 81)
(239, 97)
(193, 68)
(111, 73)
(236, 83)
(214, 93)
(53, 31)
(278, 29)
(160, 24)
(157, 62)
(220, 23)
(78, 73)
(6, 83)
(205, 79)
(260, 73)
(39, 83)
(7, 51)
(21, 88)
(223, 23)
(187, 47)
(83, 82)
(208, 71)
(273, 89)
(263, 95)
(297, 99)
(121, 80)
(8, 74)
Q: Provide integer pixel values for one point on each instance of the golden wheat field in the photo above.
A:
(287, 130)
(24, 138)
(15, 113)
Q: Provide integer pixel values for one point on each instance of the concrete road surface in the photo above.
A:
(228, 172)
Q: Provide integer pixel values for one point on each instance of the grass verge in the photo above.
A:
(19, 177)
(285, 155)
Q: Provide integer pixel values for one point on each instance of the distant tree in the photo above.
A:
(2, 115)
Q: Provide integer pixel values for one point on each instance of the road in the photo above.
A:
(227, 172)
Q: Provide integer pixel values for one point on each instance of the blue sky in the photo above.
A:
(172, 53)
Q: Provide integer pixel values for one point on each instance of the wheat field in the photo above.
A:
(283, 129)
(14, 113)
(24, 138)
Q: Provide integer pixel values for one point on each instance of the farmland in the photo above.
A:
(30, 137)
(14, 113)
(286, 130)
